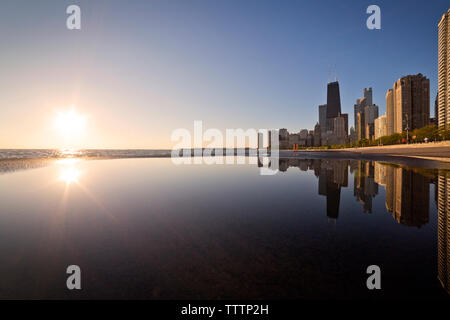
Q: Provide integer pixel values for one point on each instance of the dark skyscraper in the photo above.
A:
(323, 118)
(333, 100)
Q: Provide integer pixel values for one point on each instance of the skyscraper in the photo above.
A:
(365, 114)
(317, 135)
(333, 123)
(368, 96)
(333, 102)
(411, 96)
(390, 119)
(359, 118)
(359, 108)
(323, 118)
(340, 129)
(380, 126)
(370, 114)
(443, 116)
(435, 119)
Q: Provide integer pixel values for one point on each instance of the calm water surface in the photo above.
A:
(146, 228)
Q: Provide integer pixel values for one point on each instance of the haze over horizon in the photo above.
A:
(138, 70)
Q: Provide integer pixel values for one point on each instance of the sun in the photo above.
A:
(70, 124)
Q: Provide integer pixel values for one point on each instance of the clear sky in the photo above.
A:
(140, 69)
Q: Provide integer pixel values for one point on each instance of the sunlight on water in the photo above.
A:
(70, 153)
(69, 172)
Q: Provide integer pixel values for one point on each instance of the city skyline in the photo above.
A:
(190, 153)
(125, 76)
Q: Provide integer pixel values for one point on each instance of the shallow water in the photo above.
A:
(71, 153)
(146, 228)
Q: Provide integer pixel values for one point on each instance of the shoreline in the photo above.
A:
(426, 155)
(436, 152)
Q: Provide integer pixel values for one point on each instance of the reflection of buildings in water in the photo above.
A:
(443, 205)
(411, 198)
(407, 194)
(302, 164)
(365, 187)
(332, 174)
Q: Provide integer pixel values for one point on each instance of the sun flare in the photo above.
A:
(70, 124)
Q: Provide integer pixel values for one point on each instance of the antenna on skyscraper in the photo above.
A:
(335, 73)
(329, 73)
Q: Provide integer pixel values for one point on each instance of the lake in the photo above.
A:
(145, 228)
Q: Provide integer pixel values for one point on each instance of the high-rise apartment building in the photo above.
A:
(411, 103)
(380, 127)
(390, 115)
(443, 116)
(360, 130)
(359, 108)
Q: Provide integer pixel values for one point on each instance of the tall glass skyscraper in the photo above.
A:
(333, 100)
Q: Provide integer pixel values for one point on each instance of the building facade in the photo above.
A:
(333, 101)
(323, 117)
(333, 124)
(411, 96)
(303, 138)
(317, 135)
(380, 127)
(365, 114)
(359, 108)
(340, 130)
(390, 119)
(443, 115)
(370, 114)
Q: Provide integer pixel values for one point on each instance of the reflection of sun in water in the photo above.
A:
(70, 152)
(69, 173)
